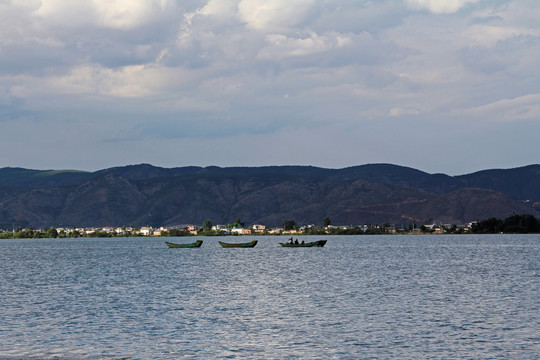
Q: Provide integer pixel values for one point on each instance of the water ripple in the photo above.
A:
(394, 297)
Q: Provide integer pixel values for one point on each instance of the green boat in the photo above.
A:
(239, 245)
(319, 243)
(196, 244)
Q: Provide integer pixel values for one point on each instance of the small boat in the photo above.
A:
(196, 244)
(318, 243)
(239, 245)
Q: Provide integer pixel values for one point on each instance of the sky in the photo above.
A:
(443, 86)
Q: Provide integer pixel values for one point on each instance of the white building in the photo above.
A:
(258, 228)
(145, 231)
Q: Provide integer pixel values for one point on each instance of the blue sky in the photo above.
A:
(449, 86)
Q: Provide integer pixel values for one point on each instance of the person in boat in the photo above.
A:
(291, 240)
(296, 242)
(303, 242)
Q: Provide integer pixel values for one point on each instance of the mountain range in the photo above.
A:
(139, 195)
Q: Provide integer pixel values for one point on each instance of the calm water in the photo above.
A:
(382, 297)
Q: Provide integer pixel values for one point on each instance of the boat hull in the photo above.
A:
(319, 243)
(239, 245)
(196, 244)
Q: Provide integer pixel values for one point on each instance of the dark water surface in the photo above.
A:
(360, 297)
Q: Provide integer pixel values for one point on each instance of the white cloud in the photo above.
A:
(115, 14)
(96, 80)
(397, 112)
(126, 14)
(273, 15)
(489, 35)
(522, 108)
(280, 46)
(220, 9)
(67, 13)
(440, 6)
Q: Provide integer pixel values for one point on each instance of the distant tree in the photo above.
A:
(74, 234)
(488, 226)
(26, 234)
(289, 225)
(326, 222)
(51, 233)
(207, 225)
(177, 232)
(238, 223)
(315, 231)
(531, 224)
(521, 224)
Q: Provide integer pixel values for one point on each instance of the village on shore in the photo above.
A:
(224, 230)
(515, 224)
(228, 230)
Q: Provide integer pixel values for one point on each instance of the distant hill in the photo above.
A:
(139, 195)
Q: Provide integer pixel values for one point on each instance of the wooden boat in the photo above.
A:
(318, 243)
(238, 245)
(196, 244)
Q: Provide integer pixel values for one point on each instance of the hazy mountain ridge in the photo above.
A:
(375, 193)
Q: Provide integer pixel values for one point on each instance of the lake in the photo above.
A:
(359, 297)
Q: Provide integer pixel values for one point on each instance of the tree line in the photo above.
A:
(515, 224)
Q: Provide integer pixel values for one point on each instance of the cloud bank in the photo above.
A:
(447, 86)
